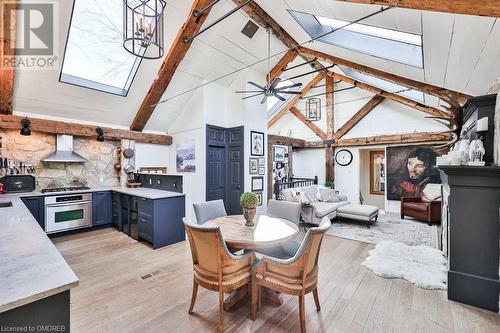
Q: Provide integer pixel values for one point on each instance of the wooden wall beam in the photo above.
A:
(330, 92)
(395, 97)
(285, 140)
(356, 118)
(468, 7)
(7, 39)
(280, 67)
(58, 127)
(309, 124)
(446, 95)
(295, 99)
(174, 57)
(393, 139)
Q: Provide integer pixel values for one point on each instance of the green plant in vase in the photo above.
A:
(249, 202)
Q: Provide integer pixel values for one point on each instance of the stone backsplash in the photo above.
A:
(32, 149)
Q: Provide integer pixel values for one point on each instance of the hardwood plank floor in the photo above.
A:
(112, 296)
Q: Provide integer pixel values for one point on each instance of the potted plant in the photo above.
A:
(329, 184)
(249, 202)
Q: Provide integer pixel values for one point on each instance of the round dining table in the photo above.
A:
(267, 232)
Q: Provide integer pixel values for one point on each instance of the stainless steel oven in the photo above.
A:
(67, 212)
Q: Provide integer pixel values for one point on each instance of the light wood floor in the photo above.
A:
(112, 296)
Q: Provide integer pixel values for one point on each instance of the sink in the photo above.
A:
(5, 204)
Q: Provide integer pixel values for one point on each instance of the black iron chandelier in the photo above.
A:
(143, 29)
(313, 109)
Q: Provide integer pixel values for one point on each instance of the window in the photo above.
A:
(402, 47)
(385, 85)
(274, 104)
(94, 56)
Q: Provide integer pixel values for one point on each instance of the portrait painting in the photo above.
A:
(409, 170)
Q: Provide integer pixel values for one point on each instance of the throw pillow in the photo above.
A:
(328, 195)
(432, 191)
(311, 192)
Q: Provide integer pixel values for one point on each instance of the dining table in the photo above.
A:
(267, 232)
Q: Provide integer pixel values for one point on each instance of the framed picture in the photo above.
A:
(259, 197)
(262, 161)
(257, 184)
(254, 168)
(262, 171)
(279, 165)
(185, 156)
(256, 143)
(279, 153)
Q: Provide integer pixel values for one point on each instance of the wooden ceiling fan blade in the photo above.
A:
(256, 85)
(252, 95)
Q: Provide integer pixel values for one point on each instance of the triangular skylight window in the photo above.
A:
(274, 104)
(94, 56)
(399, 46)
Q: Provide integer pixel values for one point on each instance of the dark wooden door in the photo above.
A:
(225, 157)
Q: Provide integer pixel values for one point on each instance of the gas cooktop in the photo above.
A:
(65, 189)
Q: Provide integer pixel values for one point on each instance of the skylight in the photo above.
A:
(399, 46)
(94, 56)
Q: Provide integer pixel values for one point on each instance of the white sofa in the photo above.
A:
(313, 206)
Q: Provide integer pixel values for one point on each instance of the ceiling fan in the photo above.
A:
(271, 89)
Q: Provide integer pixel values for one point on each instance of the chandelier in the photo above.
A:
(143, 28)
(313, 109)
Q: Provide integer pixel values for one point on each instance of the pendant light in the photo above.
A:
(100, 134)
(25, 129)
(143, 28)
(313, 109)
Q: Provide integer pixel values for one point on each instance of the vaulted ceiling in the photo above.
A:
(460, 52)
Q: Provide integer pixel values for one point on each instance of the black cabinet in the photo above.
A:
(116, 210)
(36, 207)
(101, 208)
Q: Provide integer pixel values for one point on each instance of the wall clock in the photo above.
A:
(343, 157)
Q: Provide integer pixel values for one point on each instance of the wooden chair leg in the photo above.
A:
(255, 297)
(221, 311)
(259, 297)
(316, 299)
(193, 296)
(302, 314)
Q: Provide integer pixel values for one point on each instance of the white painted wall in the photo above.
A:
(308, 163)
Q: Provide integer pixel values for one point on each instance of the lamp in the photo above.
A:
(100, 134)
(25, 129)
(313, 109)
(143, 28)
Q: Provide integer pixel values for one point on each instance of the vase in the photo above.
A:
(249, 215)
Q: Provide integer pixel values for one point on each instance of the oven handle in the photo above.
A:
(68, 204)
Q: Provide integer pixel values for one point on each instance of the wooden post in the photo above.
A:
(329, 89)
(7, 37)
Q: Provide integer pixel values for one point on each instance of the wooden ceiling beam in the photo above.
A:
(449, 96)
(392, 96)
(58, 127)
(393, 139)
(7, 72)
(372, 104)
(295, 99)
(310, 125)
(468, 7)
(280, 67)
(174, 57)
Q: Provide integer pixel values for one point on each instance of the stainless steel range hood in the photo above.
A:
(64, 151)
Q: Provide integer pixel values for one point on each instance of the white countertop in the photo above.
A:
(31, 268)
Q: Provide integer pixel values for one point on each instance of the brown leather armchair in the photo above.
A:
(421, 209)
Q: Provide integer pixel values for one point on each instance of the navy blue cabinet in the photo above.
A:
(116, 211)
(101, 208)
(36, 207)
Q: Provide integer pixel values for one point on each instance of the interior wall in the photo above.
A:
(369, 199)
(308, 163)
(151, 155)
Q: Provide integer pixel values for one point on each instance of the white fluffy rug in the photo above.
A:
(408, 231)
(423, 266)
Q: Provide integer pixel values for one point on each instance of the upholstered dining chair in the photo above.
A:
(296, 276)
(205, 211)
(215, 268)
(289, 211)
